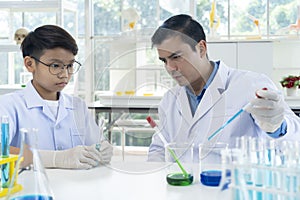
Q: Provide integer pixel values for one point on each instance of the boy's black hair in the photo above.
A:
(181, 25)
(47, 37)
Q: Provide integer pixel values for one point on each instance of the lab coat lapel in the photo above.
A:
(183, 106)
(64, 105)
(211, 96)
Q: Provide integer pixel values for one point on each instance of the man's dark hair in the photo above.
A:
(190, 31)
(47, 37)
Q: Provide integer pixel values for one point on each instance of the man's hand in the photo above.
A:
(267, 110)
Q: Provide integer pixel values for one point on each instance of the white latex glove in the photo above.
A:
(267, 110)
(79, 157)
(106, 151)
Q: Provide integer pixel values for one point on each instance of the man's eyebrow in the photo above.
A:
(170, 56)
(162, 59)
(174, 54)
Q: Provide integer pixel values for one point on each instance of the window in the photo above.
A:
(17, 14)
(235, 20)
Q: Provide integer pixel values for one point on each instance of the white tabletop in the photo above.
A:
(124, 181)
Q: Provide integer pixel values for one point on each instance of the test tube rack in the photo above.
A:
(11, 160)
(268, 182)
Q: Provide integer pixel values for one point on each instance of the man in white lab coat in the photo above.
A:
(209, 93)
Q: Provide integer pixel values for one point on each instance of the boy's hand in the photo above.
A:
(106, 151)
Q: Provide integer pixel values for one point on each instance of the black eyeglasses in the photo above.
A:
(57, 68)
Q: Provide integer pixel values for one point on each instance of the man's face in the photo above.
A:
(181, 61)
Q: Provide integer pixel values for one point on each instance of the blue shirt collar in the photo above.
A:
(194, 100)
(210, 79)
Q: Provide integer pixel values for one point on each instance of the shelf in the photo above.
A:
(9, 48)
(38, 6)
(287, 68)
(129, 100)
(137, 68)
(293, 101)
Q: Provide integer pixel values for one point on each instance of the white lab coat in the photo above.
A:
(73, 126)
(230, 90)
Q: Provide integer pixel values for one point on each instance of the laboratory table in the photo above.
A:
(120, 109)
(131, 180)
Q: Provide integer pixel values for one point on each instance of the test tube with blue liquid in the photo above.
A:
(243, 144)
(5, 150)
(257, 159)
(288, 162)
(240, 190)
(270, 162)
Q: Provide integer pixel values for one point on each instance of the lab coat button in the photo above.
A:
(60, 148)
(57, 126)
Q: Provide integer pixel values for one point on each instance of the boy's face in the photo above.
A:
(181, 61)
(47, 84)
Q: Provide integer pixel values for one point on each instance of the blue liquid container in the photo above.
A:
(5, 137)
(33, 197)
(4, 150)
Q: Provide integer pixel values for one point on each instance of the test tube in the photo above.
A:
(257, 160)
(238, 179)
(290, 164)
(243, 143)
(5, 150)
(270, 175)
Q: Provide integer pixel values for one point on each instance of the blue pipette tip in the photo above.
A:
(229, 121)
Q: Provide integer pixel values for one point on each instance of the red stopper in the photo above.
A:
(151, 121)
(262, 89)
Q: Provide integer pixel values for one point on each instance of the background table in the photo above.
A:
(97, 107)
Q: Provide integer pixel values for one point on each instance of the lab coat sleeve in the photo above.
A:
(156, 150)
(93, 133)
(157, 147)
(293, 125)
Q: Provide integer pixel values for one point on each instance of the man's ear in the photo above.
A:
(202, 48)
(29, 63)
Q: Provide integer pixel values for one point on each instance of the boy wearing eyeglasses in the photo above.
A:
(68, 136)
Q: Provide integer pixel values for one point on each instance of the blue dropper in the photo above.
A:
(236, 115)
(229, 121)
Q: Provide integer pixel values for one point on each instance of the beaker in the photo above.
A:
(34, 180)
(211, 162)
(180, 159)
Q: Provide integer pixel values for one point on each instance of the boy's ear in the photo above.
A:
(28, 62)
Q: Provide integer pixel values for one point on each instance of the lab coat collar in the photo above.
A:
(212, 95)
(33, 99)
